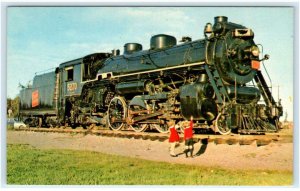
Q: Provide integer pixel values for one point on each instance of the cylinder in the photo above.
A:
(199, 108)
(195, 100)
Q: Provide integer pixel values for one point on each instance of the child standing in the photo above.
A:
(188, 137)
(174, 137)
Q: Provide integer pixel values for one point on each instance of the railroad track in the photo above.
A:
(259, 140)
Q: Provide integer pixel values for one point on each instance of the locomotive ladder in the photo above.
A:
(216, 83)
(263, 87)
(56, 92)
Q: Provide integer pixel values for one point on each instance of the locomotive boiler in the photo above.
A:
(217, 80)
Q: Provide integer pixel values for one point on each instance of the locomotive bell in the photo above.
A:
(208, 28)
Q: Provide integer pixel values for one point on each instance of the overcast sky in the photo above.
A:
(40, 38)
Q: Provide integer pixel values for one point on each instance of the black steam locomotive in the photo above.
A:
(217, 80)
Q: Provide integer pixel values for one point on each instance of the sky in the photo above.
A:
(40, 38)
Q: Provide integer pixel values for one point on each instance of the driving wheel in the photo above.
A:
(139, 127)
(117, 113)
(162, 128)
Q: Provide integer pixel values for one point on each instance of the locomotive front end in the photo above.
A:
(232, 49)
(233, 61)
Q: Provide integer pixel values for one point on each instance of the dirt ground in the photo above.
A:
(275, 156)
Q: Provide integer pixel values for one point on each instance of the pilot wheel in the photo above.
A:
(221, 125)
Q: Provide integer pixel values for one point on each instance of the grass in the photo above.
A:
(9, 127)
(29, 166)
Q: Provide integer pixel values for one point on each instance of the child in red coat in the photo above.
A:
(174, 137)
(188, 137)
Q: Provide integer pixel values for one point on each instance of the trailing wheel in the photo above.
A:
(221, 125)
(117, 113)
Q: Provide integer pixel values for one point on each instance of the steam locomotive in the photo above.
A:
(217, 80)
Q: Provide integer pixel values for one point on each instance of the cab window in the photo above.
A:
(86, 75)
(69, 74)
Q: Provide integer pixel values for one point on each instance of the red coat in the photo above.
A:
(188, 132)
(174, 137)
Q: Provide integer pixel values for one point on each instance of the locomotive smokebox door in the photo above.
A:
(196, 100)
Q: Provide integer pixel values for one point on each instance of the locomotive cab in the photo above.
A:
(91, 64)
(74, 76)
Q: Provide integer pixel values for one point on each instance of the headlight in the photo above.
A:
(255, 51)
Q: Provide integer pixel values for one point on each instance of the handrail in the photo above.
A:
(262, 52)
(44, 71)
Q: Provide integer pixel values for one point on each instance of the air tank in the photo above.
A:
(132, 87)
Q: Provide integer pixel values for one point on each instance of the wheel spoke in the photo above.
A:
(140, 127)
(221, 125)
(160, 128)
(117, 111)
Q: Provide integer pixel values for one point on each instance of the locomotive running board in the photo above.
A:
(111, 76)
(159, 70)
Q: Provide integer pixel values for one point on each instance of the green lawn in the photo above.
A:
(30, 166)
